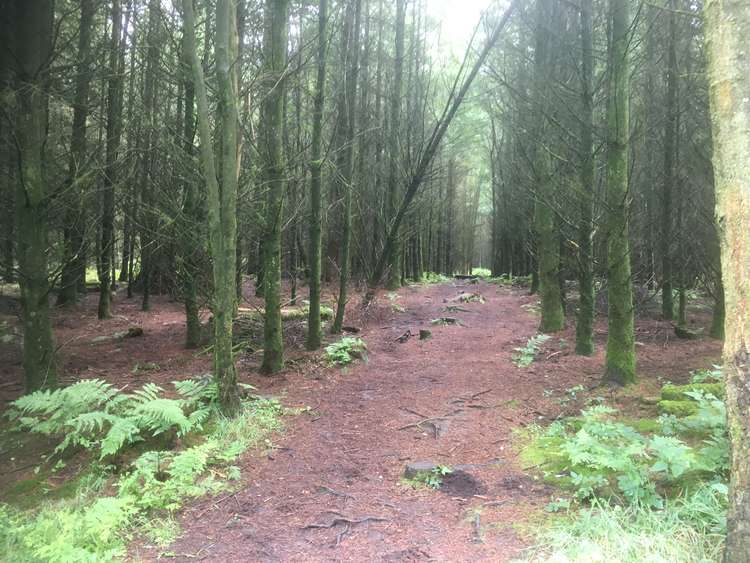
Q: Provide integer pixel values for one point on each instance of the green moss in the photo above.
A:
(678, 408)
(677, 392)
(642, 425)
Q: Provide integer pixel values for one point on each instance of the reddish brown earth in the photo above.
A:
(345, 458)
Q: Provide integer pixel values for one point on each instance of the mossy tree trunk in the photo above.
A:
(272, 118)
(345, 174)
(221, 198)
(727, 30)
(548, 246)
(585, 316)
(33, 28)
(313, 322)
(620, 362)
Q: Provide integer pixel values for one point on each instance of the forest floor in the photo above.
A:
(331, 488)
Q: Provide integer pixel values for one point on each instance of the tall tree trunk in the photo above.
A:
(33, 36)
(222, 199)
(114, 132)
(149, 215)
(670, 137)
(346, 173)
(73, 233)
(191, 213)
(727, 30)
(274, 62)
(548, 247)
(620, 363)
(585, 317)
(313, 321)
(394, 152)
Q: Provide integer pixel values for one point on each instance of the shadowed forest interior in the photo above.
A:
(374, 280)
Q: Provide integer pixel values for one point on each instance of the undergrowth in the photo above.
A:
(526, 355)
(345, 351)
(113, 501)
(630, 495)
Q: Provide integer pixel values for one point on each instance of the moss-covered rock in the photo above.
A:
(678, 408)
(677, 392)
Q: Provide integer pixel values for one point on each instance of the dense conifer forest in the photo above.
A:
(375, 280)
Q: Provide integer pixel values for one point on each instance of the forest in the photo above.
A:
(375, 280)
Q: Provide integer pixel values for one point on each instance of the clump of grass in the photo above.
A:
(688, 530)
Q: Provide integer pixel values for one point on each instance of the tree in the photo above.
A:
(114, 133)
(74, 264)
(620, 363)
(345, 175)
(33, 45)
(221, 198)
(316, 164)
(547, 243)
(272, 117)
(585, 317)
(670, 139)
(394, 257)
(727, 26)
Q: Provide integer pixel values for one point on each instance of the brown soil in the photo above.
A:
(331, 489)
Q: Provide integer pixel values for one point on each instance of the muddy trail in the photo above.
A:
(332, 488)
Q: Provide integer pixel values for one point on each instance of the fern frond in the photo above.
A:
(122, 432)
(159, 415)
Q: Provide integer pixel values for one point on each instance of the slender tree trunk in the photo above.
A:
(727, 30)
(585, 317)
(313, 322)
(192, 216)
(73, 234)
(346, 173)
(620, 363)
(222, 199)
(114, 132)
(274, 61)
(394, 152)
(670, 137)
(149, 216)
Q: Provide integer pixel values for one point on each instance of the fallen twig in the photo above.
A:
(348, 521)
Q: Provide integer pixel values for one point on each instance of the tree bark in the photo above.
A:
(346, 173)
(727, 30)
(222, 199)
(670, 138)
(548, 246)
(620, 362)
(114, 132)
(394, 152)
(33, 23)
(313, 322)
(585, 317)
(73, 231)
(274, 62)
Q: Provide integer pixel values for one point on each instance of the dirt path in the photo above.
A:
(346, 460)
